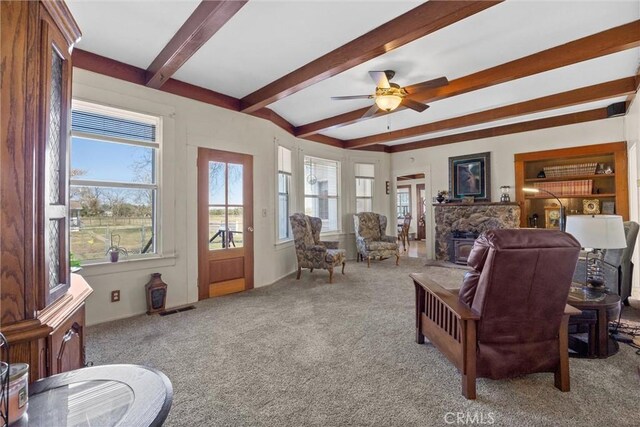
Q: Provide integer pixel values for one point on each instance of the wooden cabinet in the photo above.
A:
(607, 188)
(39, 296)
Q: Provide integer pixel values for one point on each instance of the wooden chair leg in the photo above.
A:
(469, 374)
(343, 263)
(368, 261)
(561, 375)
(420, 306)
(330, 275)
(311, 270)
(299, 272)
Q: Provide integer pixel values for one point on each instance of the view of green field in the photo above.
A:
(92, 239)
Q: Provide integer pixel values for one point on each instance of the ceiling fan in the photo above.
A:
(388, 96)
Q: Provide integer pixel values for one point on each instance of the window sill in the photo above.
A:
(124, 265)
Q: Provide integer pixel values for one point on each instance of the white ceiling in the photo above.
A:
(133, 32)
(266, 40)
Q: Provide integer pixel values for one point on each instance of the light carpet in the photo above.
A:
(309, 353)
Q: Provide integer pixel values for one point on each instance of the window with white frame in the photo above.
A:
(113, 182)
(364, 187)
(321, 191)
(284, 192)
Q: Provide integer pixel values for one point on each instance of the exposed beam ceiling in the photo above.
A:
(566, 119)
(604, 43)
(417, 23)
(112, 68)
(203, 23)
(620, 87)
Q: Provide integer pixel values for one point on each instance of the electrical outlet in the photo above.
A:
(115, 296)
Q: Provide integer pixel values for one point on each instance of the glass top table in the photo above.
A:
(109, 395)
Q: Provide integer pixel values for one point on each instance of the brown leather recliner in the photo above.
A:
(510, 315)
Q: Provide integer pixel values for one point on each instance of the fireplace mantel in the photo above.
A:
(473, 217)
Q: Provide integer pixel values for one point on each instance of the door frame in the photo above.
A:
(204, 156)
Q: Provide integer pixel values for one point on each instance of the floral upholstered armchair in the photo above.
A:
(371, 240)
(311, 252)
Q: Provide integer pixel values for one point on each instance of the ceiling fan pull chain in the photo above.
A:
(388, 121)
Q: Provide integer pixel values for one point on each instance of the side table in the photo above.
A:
(107, 395)
(604, 346)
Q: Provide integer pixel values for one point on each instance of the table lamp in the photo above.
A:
(597, 232)
(563, 218)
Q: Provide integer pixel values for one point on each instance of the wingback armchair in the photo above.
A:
(371, 241)
(510, 316)
(310, 251)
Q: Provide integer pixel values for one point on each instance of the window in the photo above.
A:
(403, 197)
(321, 191)
(113, 186)
(364, 187)
(284, 192)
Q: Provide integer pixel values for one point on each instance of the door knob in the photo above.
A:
(250, 229)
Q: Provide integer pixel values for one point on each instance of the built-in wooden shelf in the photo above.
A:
(571, 177)
(573, 196)
(611, 188)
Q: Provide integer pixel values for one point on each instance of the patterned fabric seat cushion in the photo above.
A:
(381, 246)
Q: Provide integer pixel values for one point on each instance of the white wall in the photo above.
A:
(434, 161)
(189, 124)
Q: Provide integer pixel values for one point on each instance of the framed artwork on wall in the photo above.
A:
(470, 176)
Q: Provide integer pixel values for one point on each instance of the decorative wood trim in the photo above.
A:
(566, 119)
(64, 19)
(582, 95)
(377, 147)
(327, 140)
(198, 93)
(584, 150)
(272, 116)
(203, 23)
(58, 312)
(109, 67)
(412, 25)
(594, 46)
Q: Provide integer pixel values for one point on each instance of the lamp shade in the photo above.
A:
(597, 231)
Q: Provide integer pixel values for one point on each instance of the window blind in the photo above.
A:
(98, 124)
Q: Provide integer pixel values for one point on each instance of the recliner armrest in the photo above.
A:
(447, 297)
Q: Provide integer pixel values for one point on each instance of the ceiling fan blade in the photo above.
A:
(371, 111)
(380, 77)
(342, 98)
(414, 105)
(440, 81)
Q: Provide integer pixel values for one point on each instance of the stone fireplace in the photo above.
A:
(457, 226)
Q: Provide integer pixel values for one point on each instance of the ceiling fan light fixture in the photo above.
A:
(388, 102)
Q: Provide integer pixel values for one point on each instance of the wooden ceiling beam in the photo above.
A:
(594, 46)
(416, 23)
(119, 70)
(620, 87)
(203, 23)
(549, 122)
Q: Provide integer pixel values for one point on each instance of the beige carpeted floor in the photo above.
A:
(308, 353)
